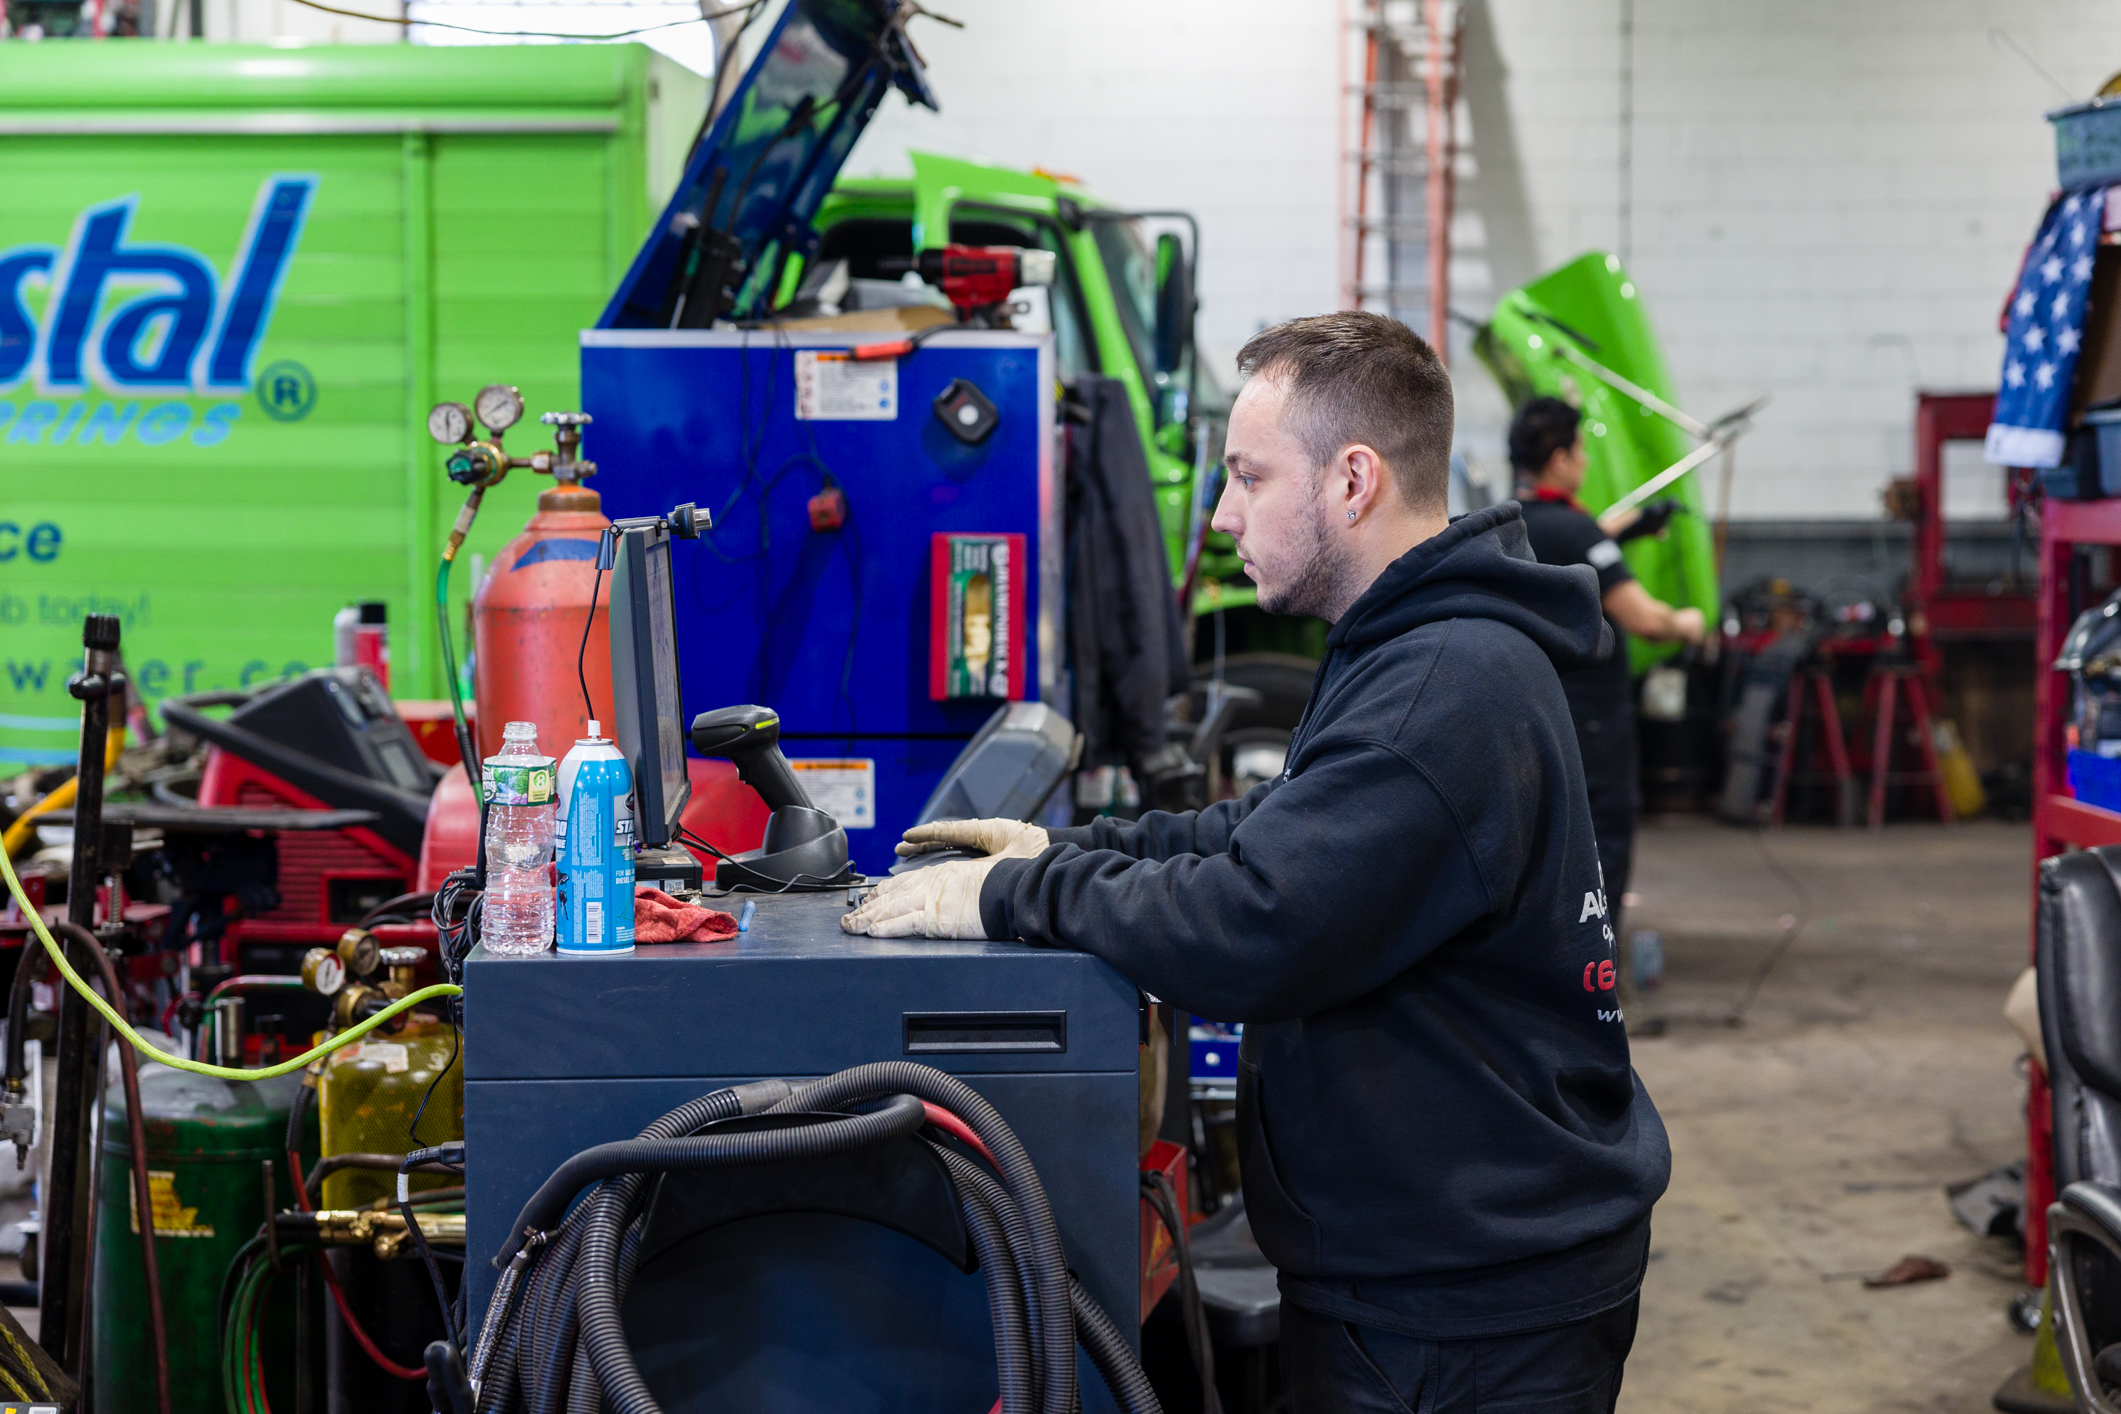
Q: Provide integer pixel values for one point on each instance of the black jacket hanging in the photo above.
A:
(1126, 641)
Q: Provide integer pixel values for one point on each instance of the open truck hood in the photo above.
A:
(1536, 344)
(757, 178)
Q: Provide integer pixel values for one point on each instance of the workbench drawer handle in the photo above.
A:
(984, 1032)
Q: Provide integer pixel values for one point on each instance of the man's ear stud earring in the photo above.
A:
(1351, 515)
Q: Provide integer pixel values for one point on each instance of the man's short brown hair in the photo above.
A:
(1354, 376)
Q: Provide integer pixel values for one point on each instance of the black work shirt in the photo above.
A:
(1561, 534)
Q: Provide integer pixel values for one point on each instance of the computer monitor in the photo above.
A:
(646, 712)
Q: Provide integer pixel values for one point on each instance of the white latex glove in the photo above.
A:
(997, 839)
(941, 901)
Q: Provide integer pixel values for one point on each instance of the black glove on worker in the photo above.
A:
(1650, 520)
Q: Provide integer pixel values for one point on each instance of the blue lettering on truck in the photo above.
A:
(130, 317)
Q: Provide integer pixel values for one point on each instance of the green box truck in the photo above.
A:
(232, 281)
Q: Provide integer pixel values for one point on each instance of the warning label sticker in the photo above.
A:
(843, 789)
(172, 1219)
(391, 1055)
(831, 387)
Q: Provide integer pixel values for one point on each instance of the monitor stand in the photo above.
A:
(671, 868)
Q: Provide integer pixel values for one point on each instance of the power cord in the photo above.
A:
(450, 1155)
(581, 654)
(124, 1028)
(1792, 926)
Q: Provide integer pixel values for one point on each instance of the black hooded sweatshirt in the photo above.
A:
(1439, 1128)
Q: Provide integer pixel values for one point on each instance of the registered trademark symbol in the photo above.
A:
(286, 392)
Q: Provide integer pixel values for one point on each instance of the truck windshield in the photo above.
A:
(1131, 269)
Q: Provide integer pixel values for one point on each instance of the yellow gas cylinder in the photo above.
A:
(370, 1092)
(366, 1100)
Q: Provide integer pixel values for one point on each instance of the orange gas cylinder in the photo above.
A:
(527, 618)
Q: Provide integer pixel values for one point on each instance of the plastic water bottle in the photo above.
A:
(595, 850)
(516, 917)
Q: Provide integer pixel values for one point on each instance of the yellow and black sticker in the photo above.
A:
(172, 1218)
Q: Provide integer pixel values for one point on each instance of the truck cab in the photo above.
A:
(1120, 304)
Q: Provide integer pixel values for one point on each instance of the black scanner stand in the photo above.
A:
(805, 849)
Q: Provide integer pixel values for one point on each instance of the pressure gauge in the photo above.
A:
(449, 423)
(323, 972)
(500, 407)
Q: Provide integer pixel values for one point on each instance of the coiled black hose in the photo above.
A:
(625, 1392)
(1108, 1352)
(1013, 1346)
(1045, 1259)
(612, 1160)
(553, 1339)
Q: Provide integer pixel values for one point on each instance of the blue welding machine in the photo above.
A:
(834, 628)
(809, 1311)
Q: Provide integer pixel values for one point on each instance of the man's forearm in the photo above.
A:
(1161, 834)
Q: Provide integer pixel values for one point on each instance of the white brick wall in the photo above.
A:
(1829, 199)
(1829, 196)
(1228, 110)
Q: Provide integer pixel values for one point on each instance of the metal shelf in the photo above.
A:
(2082, 522)
(2070, 820)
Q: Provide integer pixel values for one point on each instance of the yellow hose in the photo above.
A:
(219, 1072)
(58, 797)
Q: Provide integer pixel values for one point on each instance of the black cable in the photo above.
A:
(452, 1153)
(390, 907)
(581, 654)
(297, 1112)
(631, 1158)
(456, 1048)
(688, 837)
(1161, 1196)
(1789, 934)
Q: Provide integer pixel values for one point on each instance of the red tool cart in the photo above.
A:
(2069, 531)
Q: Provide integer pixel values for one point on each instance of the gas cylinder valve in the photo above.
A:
(18, 1121)
(347, 972)
(401, 962)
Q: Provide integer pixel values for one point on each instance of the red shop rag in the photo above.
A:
(659, 918)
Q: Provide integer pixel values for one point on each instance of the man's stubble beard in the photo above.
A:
(1318, 587)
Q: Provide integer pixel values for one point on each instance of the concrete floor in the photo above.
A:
(1812, 1141)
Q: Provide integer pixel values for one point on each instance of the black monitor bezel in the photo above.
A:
(655, 818)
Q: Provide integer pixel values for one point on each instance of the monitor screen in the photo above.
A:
(648, 715)
(669, 712)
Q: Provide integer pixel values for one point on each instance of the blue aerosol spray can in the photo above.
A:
(594, 848)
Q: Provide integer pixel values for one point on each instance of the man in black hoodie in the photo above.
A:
(1445, 1151)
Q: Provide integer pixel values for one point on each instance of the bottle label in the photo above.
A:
(519, 783)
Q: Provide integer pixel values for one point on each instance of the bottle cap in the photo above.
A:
(374, 611)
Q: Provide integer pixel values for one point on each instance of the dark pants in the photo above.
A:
(1611, 780)
(1332, 1367)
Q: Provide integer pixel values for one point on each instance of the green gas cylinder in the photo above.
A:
(208, 1141)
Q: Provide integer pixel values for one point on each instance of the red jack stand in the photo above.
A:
(1893, 685)
(1817, 683)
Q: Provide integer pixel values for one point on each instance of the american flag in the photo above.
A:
(2045, 331)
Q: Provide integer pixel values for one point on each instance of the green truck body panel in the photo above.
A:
(1591, 306)
(447, 217)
